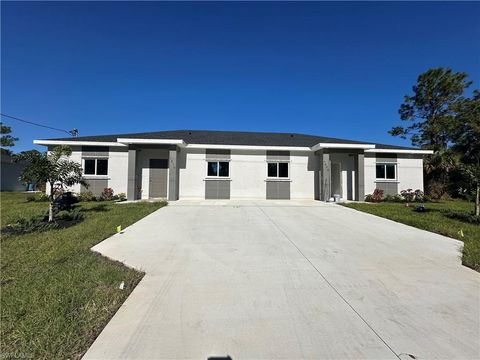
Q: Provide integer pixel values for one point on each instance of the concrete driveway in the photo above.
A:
(289, 280)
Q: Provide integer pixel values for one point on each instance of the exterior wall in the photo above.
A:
(370, 161)
(248, 174)
(409, 173)
(302, 173)
(193, 170)
(248, 170)
(118, 170)
(77, 157)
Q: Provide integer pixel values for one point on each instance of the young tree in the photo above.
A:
(465, 136)
(54, 168)
(431, 108)
(6, 139)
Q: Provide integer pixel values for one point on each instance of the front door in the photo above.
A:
(158, 178)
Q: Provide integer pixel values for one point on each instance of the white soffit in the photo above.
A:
(247, 147)
(152, 141)
(80, 143)
(341, 146)
(400, 151)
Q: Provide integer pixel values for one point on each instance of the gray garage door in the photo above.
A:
(158, 178)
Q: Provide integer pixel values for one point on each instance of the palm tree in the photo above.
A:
(53, 168)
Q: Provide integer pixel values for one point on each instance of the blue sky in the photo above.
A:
(333, 69)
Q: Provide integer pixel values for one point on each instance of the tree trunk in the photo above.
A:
(477, 201)
(50, 212)
(50, 206)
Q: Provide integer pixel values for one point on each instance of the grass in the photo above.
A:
(433, 220)
(56, 294)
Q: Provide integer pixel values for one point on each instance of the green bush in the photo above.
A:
(464, 216)
(107, 194)
(377, 196)
(410, 195)
(394, 198)
(121, 196)
(87, 196)
(37, 198)
(42, 197)
(40, 222)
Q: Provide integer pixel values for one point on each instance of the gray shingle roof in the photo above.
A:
(231, 138)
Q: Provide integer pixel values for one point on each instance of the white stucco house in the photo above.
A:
(197, 164)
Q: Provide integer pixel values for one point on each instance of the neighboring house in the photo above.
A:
(10, 172)
(191, 164)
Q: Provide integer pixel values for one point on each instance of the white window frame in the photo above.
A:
(278, 169)
(218, 167)
(96, 162)
(384, 164)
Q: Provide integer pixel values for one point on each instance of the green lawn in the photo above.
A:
(433, 220)
(57, 295)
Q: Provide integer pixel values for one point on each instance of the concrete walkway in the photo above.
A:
(289, 280)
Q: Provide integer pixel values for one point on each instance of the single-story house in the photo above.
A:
(194, 164)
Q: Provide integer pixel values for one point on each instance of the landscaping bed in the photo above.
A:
(57, 295)
(439, 217)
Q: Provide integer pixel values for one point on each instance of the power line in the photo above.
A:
(73, 132)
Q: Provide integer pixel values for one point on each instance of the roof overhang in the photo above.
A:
(79, 143)
(400, 151)
(178, 142)
(341, 146)
(247, 147)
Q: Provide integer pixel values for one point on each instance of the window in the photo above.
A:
(277, 170)
(95, 166)
(386, 171)
(218, 168)
(89, 167)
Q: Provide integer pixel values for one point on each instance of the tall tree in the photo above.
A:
(431, 108)
(54, 168)
(465, 136)
(6, 139)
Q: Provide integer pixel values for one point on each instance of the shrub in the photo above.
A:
(40, 222)
(87, 196)
(121, 196)
(375, 197)
(74, 215)
(107, 194)
(410, 196)
(394, 198)
(43, 197)
(464, 216)
(37, 197)
(64, 201)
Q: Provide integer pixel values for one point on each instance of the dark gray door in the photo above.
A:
(217, 189)
(336, 179)
(158, 178)
(278, 190)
